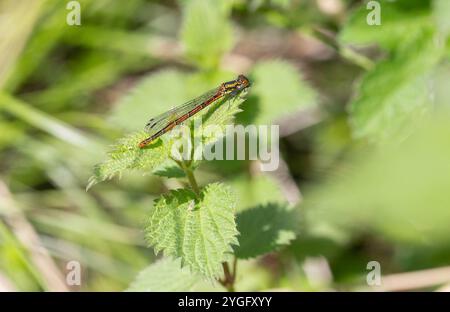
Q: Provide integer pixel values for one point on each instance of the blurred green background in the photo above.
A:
(363, 115)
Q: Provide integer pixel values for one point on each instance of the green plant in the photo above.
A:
(198, 224)
(395, 95)
(368, 169)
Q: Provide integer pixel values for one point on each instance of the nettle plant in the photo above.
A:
(197, 228)
(196, 224)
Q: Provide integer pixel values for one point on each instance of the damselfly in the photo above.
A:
(165, 122)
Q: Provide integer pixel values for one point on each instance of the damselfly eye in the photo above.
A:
(243, 82)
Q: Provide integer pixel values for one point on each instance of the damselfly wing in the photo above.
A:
(159, 122)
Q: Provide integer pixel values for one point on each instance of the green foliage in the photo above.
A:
(441, 86)
(441, 11)
(222, 116)
(396, 89)
(206, 32)
(14, 259)
(278, 90)
(199, 230)
(150, 98)
(399, 191)
(170, 172)
(398, 19)
(265, 229)
(395, 93)
(127, 155)
(164, 275)
(68, 90)
(167, 275)
(252, 191)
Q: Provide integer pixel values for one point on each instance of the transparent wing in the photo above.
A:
(159, 122)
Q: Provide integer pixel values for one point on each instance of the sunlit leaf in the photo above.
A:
(164, 275)
(264, 229)
(149, 98)
(172, 171)
(399, 20)
(199, 230)
(278, 90)
(126, 155)
(396, 92)
(206, 32)
(441, 11)
(252, 191)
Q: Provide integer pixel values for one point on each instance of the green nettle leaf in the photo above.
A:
(126, 155)
(264, 229)
(167, 274)
(198, 230)
(441, 87)
(172, 171)
(278, 90)
(259, 189)
(395, 93)
(206, 32)
(398, 19)
(164, 275)
(151, 97)
(222, 115)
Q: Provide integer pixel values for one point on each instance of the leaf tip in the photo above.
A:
(91, 182)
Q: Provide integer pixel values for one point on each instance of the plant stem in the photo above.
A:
(190, 175)
(234, 268)
(345, 51)
(228, 280)
(356, 58)
(192, 181)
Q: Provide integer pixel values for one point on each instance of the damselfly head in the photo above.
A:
(243, 82)
(234, 86)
